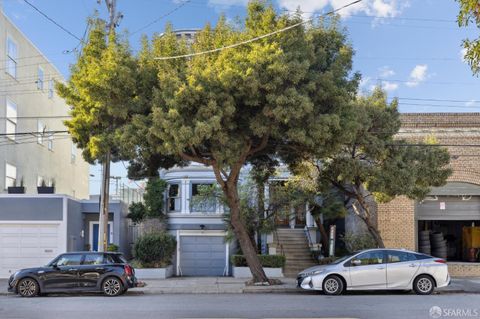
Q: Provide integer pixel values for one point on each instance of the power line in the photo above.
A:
(161, 17)
(439, 100)
(52, 20)
(440, 106)
(32, 133)
(231, 46)
(422, 82)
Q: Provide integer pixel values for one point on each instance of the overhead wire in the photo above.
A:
(231, 46)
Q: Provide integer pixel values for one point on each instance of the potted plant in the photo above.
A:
(44, 189)
(153, 255)
(17, 189)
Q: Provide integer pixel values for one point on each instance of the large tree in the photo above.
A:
(280, 97)
(377, 164)
(470, 14)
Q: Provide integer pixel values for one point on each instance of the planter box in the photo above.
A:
(45, 190)
(16, 190)
(154, 273)
(244, 272)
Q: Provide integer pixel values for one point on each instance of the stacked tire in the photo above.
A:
(439, 245)
(424, 246)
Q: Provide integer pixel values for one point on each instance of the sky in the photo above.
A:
(412, 48)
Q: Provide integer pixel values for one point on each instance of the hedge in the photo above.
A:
(270, 261)
(155, 250)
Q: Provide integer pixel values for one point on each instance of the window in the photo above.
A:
(73, 156)
(93, 259)
(199, 202)
(50, 142)
(400, 256)
(40, 76)
(40, 132)
(12, 56)
(51, 86)
(174, 199)
(69, 260)
(10, 175)
(41, 180)
(371, 258)
(11, 121)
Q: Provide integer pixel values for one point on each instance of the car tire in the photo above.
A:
(28, 287)
(423, 285)
(112, 287)
(333, 285)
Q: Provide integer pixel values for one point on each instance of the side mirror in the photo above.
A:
(356, 262)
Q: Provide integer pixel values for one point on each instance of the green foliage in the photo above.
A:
(137, 212)
(102, 93)
(155, 250)
(354, 242)
(273, 261)
(470, 14)
(154, 197)
(112, 247)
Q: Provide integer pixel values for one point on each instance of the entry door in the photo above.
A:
(94, 235)
(371, 273)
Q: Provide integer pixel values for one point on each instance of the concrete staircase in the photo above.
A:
(294, 245)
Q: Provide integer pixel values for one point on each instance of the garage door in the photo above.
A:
(202, 255)
(27, 245)
(449, 208)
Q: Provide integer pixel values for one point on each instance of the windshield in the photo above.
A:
(342, 259)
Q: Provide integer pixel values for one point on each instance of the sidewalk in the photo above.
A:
(229, 285)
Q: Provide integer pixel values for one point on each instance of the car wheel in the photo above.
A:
(423, 285)
(333, 285)
(112, 287)
(28, 287)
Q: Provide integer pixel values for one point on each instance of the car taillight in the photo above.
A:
(442, 261)
(128, 270)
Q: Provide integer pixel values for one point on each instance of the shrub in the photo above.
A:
(354, 242)
(112, 247)
(137, 212)
(273, 261)
(155, 250)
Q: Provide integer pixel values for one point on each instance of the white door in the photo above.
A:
(27, 245)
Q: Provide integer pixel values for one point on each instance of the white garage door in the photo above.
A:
(27, 245)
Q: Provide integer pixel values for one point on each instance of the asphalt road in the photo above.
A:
(139, 306)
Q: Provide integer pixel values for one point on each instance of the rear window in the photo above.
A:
(422, 256)
(115, 259)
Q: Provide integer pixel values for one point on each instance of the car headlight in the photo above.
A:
(312, 273)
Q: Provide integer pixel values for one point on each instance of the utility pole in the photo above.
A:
(113, 21)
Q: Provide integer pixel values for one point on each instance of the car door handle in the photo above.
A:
(99, 268)
(380, 268)
(73, 269)
(412, 265)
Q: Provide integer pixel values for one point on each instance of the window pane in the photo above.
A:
(398, 257)
(10, 171)
(50, 142)
(173, 200)
(371, 258)
(93, 259)
(200, 203)
(50, 89)
(40, 79)
(9, 182)
(11, 111)
(69, 260)
(12, 53)
(11, 129)
(40, 130)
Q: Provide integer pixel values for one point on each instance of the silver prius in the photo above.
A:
(378, 269)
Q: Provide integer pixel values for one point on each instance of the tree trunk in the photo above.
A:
(248, 248)
(366, 217)
(323, 234)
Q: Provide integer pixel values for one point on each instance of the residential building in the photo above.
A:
(45, 154)
(34, 229)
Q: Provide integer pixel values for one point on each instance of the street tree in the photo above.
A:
(470, 14)
(280, 97)
(377, 165)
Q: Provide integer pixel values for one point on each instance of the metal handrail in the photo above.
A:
(277, 241)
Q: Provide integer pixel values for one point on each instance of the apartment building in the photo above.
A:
(34, 147)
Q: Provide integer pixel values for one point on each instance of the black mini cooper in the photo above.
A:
(76, 272)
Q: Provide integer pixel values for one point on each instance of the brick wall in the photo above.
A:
(396, 219)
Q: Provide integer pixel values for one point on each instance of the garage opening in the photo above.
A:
(448, 223)
(203, 256)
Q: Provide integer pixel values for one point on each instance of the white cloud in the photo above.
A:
(462, 54)
(418, 75)
(389, 86)
(386, 71)
(378, 8)
(471, 103)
